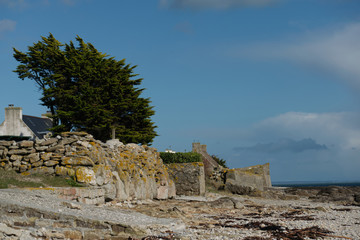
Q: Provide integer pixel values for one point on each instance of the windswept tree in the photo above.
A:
(87, 90)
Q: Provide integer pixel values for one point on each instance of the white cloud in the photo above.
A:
(214, 4)
(7, 25)
(334, 52)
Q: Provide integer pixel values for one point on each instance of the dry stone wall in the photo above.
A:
(124, 171)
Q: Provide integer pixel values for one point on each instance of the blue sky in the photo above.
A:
(256, 80)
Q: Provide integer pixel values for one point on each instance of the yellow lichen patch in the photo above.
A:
(25, 173)
(85, 175)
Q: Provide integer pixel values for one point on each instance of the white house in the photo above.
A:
(16, 124)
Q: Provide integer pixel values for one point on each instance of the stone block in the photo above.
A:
(51, 163)
(16, 163)
(41, 148)
(22, 151)
(67, 141)
(56, 156)
(4, 152)
(33, 157)
(23, 168)
(37, 164)
(48, 142)
(61, 171)
(42, 170)
(6, 143)
(46, 156)
(26, 144)
(16, 157)
(77, 161)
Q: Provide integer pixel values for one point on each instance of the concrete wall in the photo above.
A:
(189, 178)
(249, 179)
(13, 124)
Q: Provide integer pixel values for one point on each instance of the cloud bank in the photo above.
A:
(328, 149)
(214, 4)
(333, 129)
(285, 145)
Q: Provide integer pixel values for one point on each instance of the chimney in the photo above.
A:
(12, 113)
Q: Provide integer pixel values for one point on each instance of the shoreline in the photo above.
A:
(315, 184)
(213, 216)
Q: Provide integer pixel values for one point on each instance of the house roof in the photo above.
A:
(39, 126)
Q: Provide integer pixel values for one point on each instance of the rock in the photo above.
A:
(72, 205)
(37, 164)
(33, 157)
(67, 141)
(114, 143)
(26, 144)
(9, 231)
(51, 163)
(69, 134)
(77, 161)
(46, 156)
(227, 203)
(64, 171)
(41, 148)
(16, 158)
(85, 175)
(22, 151)
(357, 197)
(3, 152)
(23, 168)
(16, 163)
(48, 142)
(6, 143)
(42, 170)
(56, 148)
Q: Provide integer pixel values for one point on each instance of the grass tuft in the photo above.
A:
(12, 179)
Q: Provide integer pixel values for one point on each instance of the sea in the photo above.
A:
(313, 184)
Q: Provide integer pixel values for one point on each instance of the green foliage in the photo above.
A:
(87, 90)
(220, 161)
(180, 157)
